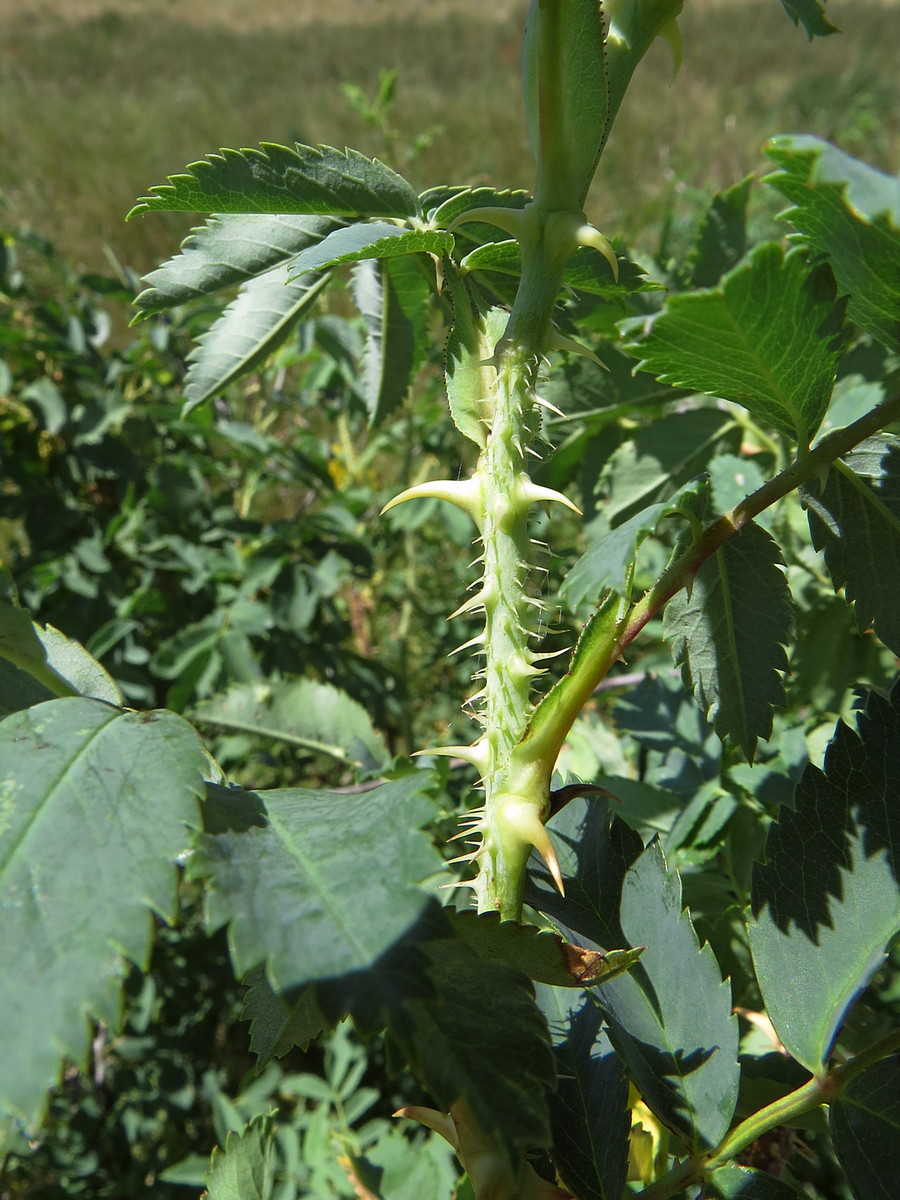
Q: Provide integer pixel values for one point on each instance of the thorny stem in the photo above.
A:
(508, 666)
(815, 1092)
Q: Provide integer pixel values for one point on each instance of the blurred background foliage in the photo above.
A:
(242, 543)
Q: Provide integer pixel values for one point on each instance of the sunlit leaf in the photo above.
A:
(768, 337)
(282, 179)
(729, 633)
(826, 903)
(94, 805)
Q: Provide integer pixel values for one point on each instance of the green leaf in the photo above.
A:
(729, 634)
(734, 1182)
(470, 348)
(664, 456)
(38, 663)
(246, 1169)
(851, 213)
(826, 903)
(854, 517)
(228, 249)
(589, 1114)
(261, 317)
(450, 207)
(606, 563)
(318, 180)
(587, 271)
(722, 237)
(768, 337)
(865, 1127)
(316, 884)
(811, 14)
(398, 1168)
(538, 953)
(93, 808)
(315, 716)
(280, 1022)
(363, 240)
(481, 1037)
(393, 298)
(670, 1017)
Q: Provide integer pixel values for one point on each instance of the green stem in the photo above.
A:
(812, 1094)
(573, 692)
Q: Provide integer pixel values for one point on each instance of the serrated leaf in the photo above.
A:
(811, 14)
(279, 1022)
(261, 317)
(480, 1037)
(470, 348)
(538, 953)
(368, 239)
(246, 1168)
(729, 634)
(38, 662)
(442, 209)
(769, 337)
(827, 902)
(318, 180)
(393, 299)
(850, 212)
(587, 271)
(663, 456)
(93, 808)
(317, 884)
(721, 240)
(670, 1017)
(589, 1114)
(397, 1168)
(316, 716)
(865, 1127)
(854, 517)
(605, 564)
(734, 1182)
(230, 248)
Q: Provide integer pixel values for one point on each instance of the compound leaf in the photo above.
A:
(230, 248)
(538, 953)
(854, 517)
(850, 212)
(827, 902)
(259, 319)
(280, 1022)
(589, 1113)
(369, 239)
(728, 635)
(865, 1126)
(768, 337)
(670, 1017)
(605, 564)
(316, 884)
(318, 180)
(480, 1036)
(93, 808)
(303, 712)
(721, 240)
(38, 662)
(392, 297)
(246, 1168)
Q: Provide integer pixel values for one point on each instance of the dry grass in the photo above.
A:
(100, 98)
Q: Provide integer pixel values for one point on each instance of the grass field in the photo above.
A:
(101, 98)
